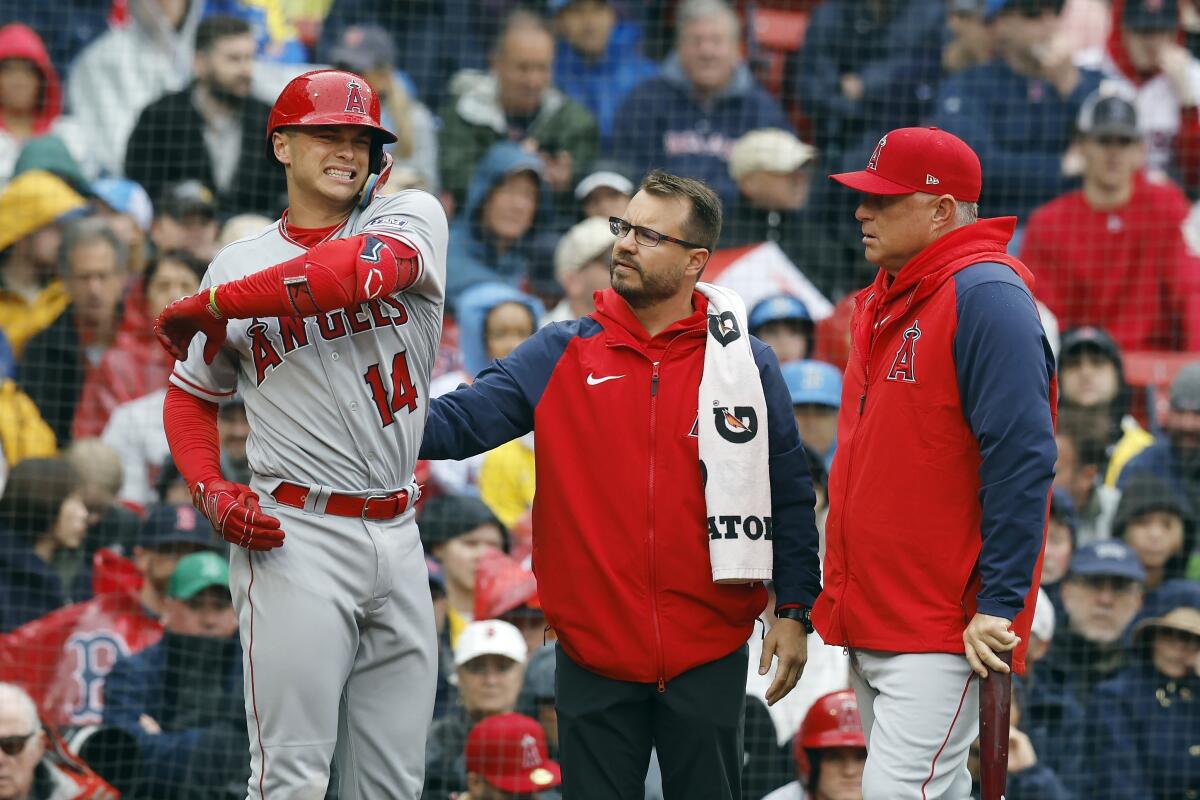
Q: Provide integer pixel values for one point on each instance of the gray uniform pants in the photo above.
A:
(920, 713)
(339, 650)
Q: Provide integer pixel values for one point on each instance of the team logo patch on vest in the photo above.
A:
(724, 328)
(738, 426)
(904, 365)
(354, 100)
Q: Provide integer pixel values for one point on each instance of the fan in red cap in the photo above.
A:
(830, 752)
(506, 757)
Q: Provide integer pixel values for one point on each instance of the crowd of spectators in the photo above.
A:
(132, 149)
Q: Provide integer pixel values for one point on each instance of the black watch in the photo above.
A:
(800, 614)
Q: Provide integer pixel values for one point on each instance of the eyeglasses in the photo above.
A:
(15, 745)
(645, 236)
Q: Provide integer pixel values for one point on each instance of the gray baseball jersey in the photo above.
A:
(338, 399)
(337, 624)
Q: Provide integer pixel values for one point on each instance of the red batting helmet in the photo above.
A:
(833, 721)
(330, 97)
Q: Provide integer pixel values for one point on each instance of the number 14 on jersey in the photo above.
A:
(403, 393)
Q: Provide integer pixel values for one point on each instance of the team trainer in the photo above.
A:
(667, 459)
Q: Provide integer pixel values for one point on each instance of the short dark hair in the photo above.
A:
(703, 224)
(176, 256)
(34, 495)
(219, 26)
(1086, 428)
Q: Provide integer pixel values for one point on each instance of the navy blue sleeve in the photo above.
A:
(1004, 365)
(498, 407)
(796, 568)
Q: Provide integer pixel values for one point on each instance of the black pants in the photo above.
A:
(606, 729)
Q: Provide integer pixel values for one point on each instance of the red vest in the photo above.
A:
(903, 533)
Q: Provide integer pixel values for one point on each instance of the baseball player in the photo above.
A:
(327, 323)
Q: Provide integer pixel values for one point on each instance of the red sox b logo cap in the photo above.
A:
(909, 160)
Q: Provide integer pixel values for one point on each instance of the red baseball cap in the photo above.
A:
(909, 160)
(509, 752)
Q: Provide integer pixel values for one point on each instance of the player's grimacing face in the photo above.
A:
(329, 161)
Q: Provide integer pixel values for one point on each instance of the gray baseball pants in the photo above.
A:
(340, 655)
(920, 713)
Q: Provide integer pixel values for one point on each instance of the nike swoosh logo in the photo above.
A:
(592, 380)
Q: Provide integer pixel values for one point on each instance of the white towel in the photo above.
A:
(734, 447)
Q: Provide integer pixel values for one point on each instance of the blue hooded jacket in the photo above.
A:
(472, 256)
(1142, 727)
(473, 307)
(673, 130)
(1019, 126)
(600, 85)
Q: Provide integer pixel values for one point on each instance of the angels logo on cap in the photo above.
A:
(509, 752)
(919, 158)
(873, 162)
(354, 100)
(531, 758)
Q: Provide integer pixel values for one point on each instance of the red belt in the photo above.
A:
(376, 506)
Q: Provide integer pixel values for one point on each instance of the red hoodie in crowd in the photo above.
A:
(21, 41)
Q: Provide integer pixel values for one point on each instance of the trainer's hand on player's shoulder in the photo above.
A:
(233, 510)
(984, 637)
(787, 641)
(183, 319)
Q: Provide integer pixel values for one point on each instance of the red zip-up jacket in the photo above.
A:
(620, 542)
(939, 491)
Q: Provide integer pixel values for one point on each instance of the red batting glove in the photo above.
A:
(183, 319)
(234, 513)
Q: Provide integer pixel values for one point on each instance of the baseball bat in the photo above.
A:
(995, 705)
